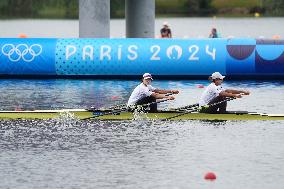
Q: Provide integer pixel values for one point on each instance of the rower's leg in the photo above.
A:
(222, 107)
(209, 110)
(146, 100)
(154, 106)
(142, 101)
(213, 109)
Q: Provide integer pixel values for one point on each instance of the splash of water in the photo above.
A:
(139, 114)
(66, 120)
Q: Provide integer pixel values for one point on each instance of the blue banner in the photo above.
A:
(131, 57)
(19, 56)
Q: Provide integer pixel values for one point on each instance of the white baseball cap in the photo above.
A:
(147, 76)
(165, 24)
(217, 75)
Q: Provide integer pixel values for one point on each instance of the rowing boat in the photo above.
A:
(163, 115)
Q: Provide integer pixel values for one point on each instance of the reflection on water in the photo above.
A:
(50, 94)
(70, 153)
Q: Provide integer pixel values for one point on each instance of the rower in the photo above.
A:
(144, 93)
(216, 94)
(166, 31)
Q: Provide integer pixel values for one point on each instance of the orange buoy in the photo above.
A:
(22, 35)
(276, 37)
(210, 176)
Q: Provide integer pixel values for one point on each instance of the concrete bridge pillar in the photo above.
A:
(94, 18)
(140, 18)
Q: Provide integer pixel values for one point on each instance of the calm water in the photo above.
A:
(181, 27)
(69, 153)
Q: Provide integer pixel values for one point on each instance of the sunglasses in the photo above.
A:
(219, 79)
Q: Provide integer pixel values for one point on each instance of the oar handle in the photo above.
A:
(169, 94)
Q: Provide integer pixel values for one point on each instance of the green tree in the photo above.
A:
(274, 7)
(199, 7)
(117, 8)
(20, 8)
(71, 8)
(192, 7)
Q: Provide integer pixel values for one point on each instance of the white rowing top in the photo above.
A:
(141, 91)
(211, 91)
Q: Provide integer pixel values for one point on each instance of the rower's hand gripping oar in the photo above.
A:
(125, 109)
(198, 108)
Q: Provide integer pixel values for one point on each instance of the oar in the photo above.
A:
(119, 106)
(198, 108)
(181, 114)
(124, 109)
(192, 105)
(186, 107)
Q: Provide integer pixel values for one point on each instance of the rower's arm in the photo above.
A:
(233, 91)
(228, 94)
(160, 91)
(161, 96)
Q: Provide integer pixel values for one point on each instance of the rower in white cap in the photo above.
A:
(144, 93)
(216, 94)
(166, 31)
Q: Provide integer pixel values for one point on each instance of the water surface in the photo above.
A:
(69, 153)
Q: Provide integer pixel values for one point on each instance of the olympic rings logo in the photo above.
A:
(21, 51)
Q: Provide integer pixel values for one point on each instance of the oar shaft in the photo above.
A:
(181, 114)
(124, 105)
(107, 113)
(198, 108)
(124, 109)
(187, 107)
